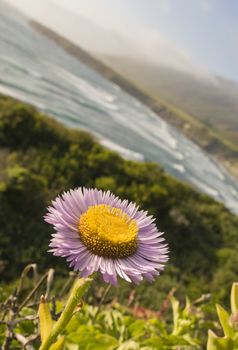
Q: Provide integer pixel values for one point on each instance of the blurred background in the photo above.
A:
(136, 81)
(127, 72)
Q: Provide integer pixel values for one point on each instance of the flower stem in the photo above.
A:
(78, 290)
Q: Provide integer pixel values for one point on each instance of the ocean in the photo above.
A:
(36, 70)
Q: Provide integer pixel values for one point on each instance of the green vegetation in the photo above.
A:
(229, 325)
(105, 325)
(41, 158)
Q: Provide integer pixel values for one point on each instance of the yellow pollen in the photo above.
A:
(108, 231)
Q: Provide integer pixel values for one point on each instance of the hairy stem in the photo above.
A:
(76, 294)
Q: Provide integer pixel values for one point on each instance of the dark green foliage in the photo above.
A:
(41, 158)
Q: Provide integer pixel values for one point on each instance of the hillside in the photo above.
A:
(211, 99)
(41, 158)
(221, 143)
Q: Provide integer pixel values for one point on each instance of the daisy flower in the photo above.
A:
(97, 231)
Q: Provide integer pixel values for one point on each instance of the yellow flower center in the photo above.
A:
(108, 231)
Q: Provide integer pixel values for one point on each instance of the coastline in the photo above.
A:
(207, 138)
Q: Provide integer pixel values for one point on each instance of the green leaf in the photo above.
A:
(129, 345)
(190, 340)
(216, 343)
(175, 307)
(88, 337)
(70, 346)
(224, 320)
(59, 344)
(102, 342)
(186, 311)
(234, 298)
(137, 328)
(46, 322)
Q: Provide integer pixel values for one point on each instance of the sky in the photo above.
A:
(189, 34)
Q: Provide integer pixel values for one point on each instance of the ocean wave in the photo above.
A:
(179, 167)
(11, 63)
(90, 91)
(124, 152)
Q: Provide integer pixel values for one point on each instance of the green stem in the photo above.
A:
(76, 294)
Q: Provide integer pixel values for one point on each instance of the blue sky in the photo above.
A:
(203, 32)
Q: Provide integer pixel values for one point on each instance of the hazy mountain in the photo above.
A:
(214, 100)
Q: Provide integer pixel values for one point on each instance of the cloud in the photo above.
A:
(158, 50)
